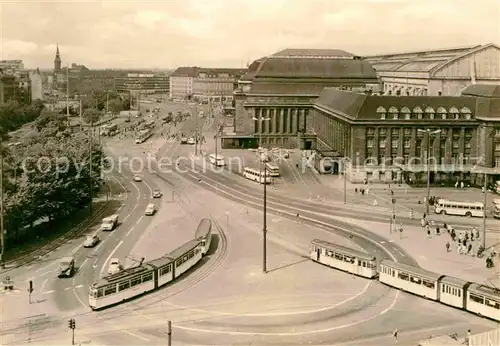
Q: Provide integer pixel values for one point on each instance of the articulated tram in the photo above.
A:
(472, 297)
(204, 235)
(132, 282)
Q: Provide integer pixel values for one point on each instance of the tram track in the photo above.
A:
(312, 213)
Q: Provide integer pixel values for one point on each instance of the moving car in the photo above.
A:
(66, 267)
(184, 140)
(91, 240)
(109, 223)
(137, 177)
(190, 141)
(157, 193)
(114, 266)
(150, 209)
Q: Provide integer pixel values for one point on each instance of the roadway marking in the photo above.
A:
(109, 257)
(309, 332)
(68, 288)
(135, 335)
(132, 228)
(402, 254)
(95, 263)
(48, 292)
(317, 222)
(98, 246)
(76, 249)
(137, 201)
(47, 266)
(382, 242)
(43, 285)
(150, 190)
(291, 313)
(79, 286)
(80, 300)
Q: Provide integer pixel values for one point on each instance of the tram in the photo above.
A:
(343, 258)
(204, 235)
(469, 296)
(132, 282)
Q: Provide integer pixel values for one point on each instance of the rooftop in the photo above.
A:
(492, 91)
(359, 106)
(421, 61)
(314, 64)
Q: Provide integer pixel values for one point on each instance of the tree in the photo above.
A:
(116, 106)
(91, 115)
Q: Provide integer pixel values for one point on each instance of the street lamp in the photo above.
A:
(429, 134)
(264, 226)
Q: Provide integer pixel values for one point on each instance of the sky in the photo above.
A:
(230, 33)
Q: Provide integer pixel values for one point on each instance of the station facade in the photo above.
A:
(386, 138)
(273, 102)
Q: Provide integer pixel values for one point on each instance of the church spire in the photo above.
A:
(57, 60)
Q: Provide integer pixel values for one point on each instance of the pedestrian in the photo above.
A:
(429, 232)
(395, 334)
(458, 248)
(469, 249)
(437, 230)
(471, 236)
(453, 234)
(447, 246)
(411, 214)
(468, 338)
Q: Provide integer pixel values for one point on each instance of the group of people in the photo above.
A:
(464, 240)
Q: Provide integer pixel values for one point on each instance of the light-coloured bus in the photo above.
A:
(256, 175)
(468, 209)
(143, 136)
(216, 160)
(272, 170)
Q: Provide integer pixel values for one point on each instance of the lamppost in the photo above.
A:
(264, 226)
(429, 134)
(2, 231)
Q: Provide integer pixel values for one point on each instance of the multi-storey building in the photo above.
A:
(273, 102)
(15, 88)
(36, 85)
(15, 65)
(386, 138)
(438, 72)
(215, 84)
(147, 83)
(181, 82)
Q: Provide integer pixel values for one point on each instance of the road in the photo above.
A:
(228, 300)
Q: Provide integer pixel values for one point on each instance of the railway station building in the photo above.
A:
(279, 91)
(437, 72)
(386, 138)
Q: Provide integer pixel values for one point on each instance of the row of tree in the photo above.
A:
(47, 174)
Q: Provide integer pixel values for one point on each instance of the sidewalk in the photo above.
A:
(431, 253)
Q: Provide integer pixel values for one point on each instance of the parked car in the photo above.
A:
(66, 267)
(137, 177)
(190, 141)
(91, 240)
(157, 193)
(184, 140)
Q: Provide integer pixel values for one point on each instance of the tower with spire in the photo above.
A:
(57, 61)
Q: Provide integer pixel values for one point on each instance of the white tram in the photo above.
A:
(133, 282)
(343, 258)
(453, 292)
(410, 279)
(484, 301)
(204, 235)
(478, 299)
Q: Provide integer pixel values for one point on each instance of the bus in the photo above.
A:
(273, 170)
(143, 136)
(216, 160)
(495, 208)
(468, 209)
(256, 175)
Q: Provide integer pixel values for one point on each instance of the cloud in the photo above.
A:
(229, 32)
